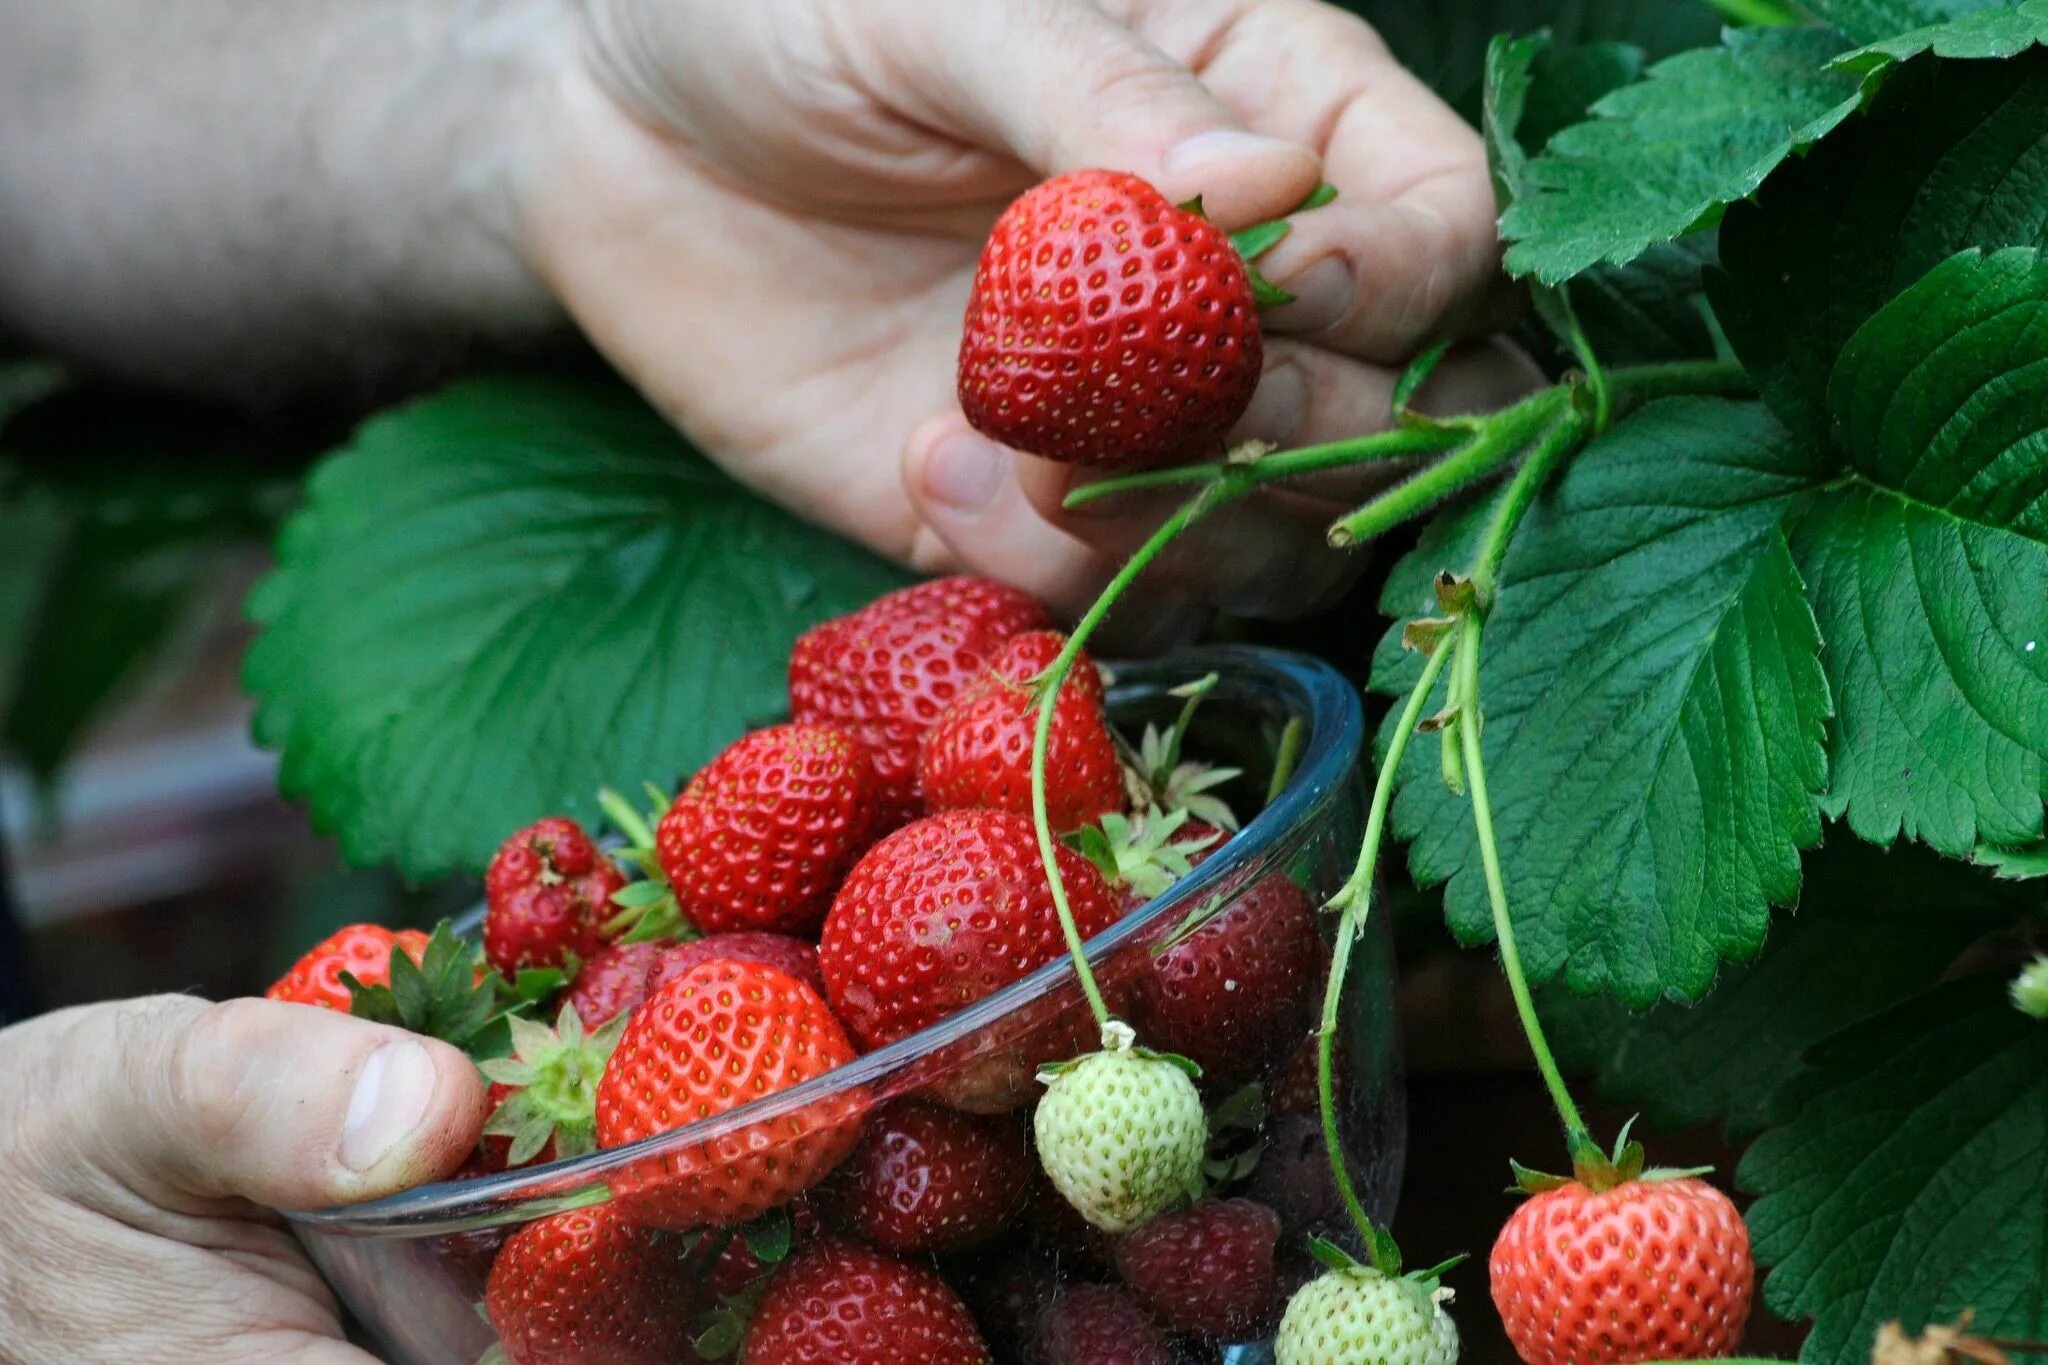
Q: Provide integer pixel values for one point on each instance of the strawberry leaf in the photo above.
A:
(1987, 33)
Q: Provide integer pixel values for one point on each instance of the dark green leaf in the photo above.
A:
(1991, 33)
(1566, 82)
(1950, 155)
(1870, 21)
(1871, 927)
(501, 598)
(2014, 864)
(1654, 712)
(1652, 309)
(1908, 1176)
(1663, 156)
(1508, 63)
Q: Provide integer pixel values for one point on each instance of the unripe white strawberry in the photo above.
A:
(1358, 1316)
(1121, 1132)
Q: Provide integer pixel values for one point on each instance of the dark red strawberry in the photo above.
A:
(723, 1034)
(883, 672)
(764, 832)
(792, 955)
(927, 1178)
(978, 752)
(1096, 1324)
(737, 1267)
(943, 912)
(586, 1287)
(836, 1303)
(612, 982)
(549, 891)
(1207, 1269)
(362, 950)
(1108, 327)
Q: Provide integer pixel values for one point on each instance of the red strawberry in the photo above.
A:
(1206, 1269)
(765, 831)
(835, 1303)
(926, 1178)
(1647, 1270)
(723, 1034)
(883, 673)
(978, 752)
(1236, 993)
(943, 912)
(588, 1288)
(550, 891)
(362, 950)
(1096, 1324)
(1108, 327)
(791, 955)
(612, 982)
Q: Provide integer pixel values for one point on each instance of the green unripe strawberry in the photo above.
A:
(1121, 1132)
(1358, 1316)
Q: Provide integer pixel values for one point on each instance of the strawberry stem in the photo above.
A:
(1354, 900)
(1400, 443)
(1292, 736)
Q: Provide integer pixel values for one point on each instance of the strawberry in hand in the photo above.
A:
(363, 951)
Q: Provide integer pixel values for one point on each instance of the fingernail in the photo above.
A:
(390, 1101)
(1278, 408)
(1322, 297)
(1220, 144)
(965, 473)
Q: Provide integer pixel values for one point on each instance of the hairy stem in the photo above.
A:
(1555, 444)
(1498, 441)
(1400, 443)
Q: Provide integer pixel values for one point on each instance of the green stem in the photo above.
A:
(1758, 13)
(1499, 441)
(1639, 384)
(1560, 441)
(1400, 443)
(1496, 891)
(1355, 899)
(1292, 735)
(1190, 512)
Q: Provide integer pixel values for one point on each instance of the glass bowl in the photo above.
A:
(412, 1267)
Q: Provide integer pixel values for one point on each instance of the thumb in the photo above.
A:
(284, 1105)
(1060, 85)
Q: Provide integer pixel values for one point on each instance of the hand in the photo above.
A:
(768, 214)
(143, 1143)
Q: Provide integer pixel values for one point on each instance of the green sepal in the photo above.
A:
(1659, 1173)
(1413, 378)
(555, 1073)
(1174, 1059)
(441, 996)
(1427, 1279)
(1265, 293)
(1527, 1181)
(1259, 238)
(727, 1330)
(648, 908)
(1385, 1251)
(769, 1236)
(496, 1354)
(640, 895)
(1331, 1255)
(1193, 206)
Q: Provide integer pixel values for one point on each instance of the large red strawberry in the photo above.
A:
(362, 950)
(837, 1303)
(612, 982)
(1108, 327)
(589, 1288)
(927, 1178)
(883, 672)
(1095, 1324)
(791, 955)
(721, 1035)
(1646, 1270)
(764, 832)
(549, 890)
(978, 752)
(943, 912)
(1206, 1269)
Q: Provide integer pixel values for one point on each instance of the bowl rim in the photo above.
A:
(1308, 687)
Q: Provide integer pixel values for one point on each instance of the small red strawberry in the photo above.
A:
(978, 751)
(943, 912)
(837, 1303)
(883, 673)
(764, 832)
(927, 1178)
(549, 890)
(1648, 1269)
(1207, 1269)
(589, 1288)
(723, 1034)
(1096, 1324)
(1108, 327)
(543, 1098)
(791, 955)
(612, 982)
(362, 950)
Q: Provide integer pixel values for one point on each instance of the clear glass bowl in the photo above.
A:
(412, 1267)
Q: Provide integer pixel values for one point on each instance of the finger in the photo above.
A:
(285, 1105)
(1061, 85)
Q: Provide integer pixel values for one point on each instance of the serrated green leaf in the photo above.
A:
(2014, 864)
(1566, 82)
(1950, 155)
(1663, 156)
(1870, 21)
(1652, 309)
(1927, 571)
(502, 597)
(1654, 711)
(1989, 33)
(1908, 1176)
(1871, 927)
(1506, 93)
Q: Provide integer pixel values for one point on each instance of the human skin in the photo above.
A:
(766, 215)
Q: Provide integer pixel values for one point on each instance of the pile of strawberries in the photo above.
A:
(822, 889)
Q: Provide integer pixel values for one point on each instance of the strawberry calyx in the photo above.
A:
(1600, 1171)
(1141, 853)
(1236, 1137)
(1259, 238)
(1156, 775)
(553, 1073)
(1117, 1036)
(647, 909)
(1384, 1258)
(770, 1238)
(451, 994)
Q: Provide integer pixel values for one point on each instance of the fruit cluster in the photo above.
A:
(827, 887)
